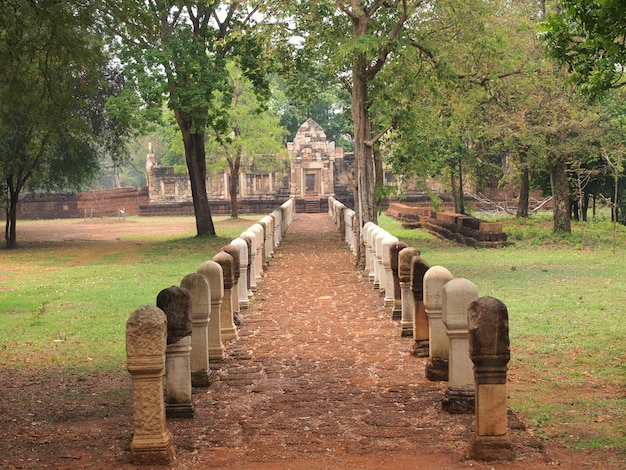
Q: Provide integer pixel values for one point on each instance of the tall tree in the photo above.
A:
(179, 50)
(53, 89)
(253, 134)
(588, 37)
(353, 40)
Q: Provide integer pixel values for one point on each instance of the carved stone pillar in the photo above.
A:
(490, 352)
(434, 280)
(146, 336)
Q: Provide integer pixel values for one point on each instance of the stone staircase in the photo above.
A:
(312, 206)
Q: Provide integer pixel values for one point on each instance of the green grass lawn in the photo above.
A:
(68, 305)
(567, 314)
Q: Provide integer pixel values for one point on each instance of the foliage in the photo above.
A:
(564, 316)
(255, 129)
(56, 80)
(587, 36)
(179, 52)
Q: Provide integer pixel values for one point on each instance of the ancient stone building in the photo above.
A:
(316, 169)
(312, 160)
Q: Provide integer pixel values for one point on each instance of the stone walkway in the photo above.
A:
(321, 378)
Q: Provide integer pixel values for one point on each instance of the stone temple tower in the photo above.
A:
(312, 160)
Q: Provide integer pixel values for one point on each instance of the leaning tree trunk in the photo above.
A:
(524, 193)
(196, 165)
(560, 197)
(234, 165)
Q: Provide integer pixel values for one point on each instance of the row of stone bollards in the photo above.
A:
(185, 333)
(464, 338)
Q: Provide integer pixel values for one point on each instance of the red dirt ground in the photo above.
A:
(319, 379)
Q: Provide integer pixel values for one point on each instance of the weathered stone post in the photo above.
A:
(434, 280)
(379, 282)
(278, 226)
(233, 251)
(458, 294)
(387, 243)
(366, 248)
(348, 215)
(331, 207)
(268, 239)
(419, 267)
(371, 249)
(242, 285)
(213, 273)
(248, 237)
(394, 251)
(489, 350)
(146, 336)
(198, 286)
(405, 262)
(176, 303)
(229, 331)
(259, 244)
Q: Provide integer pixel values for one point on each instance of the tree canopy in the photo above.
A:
(55, 80)
(588, 37)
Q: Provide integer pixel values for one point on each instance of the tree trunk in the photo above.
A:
(364, 197)
(455, 194)
(461, 209)
(234, 165)
(524, 193)
(10, 234)
(196, 165)
(560, 196)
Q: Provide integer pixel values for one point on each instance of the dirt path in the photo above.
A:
(319, 379)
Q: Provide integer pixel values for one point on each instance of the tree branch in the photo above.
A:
(393, 34)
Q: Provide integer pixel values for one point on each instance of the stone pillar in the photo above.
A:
(242, 286)
(458, 294)
(242, 185)
(489, 350)
(213, 273)
(394, 251)
(198, 286)
(349, 218)
(405, 262)
(419, 267)
(268, 238)
(366, 249)
(229, 331)
(176, 303)
(434, 280)
(278, 223)
(146, 336)
(379, 282)
(387, 243)
(259, 242)
(233, 251)
(371, 249)
(250, 238)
